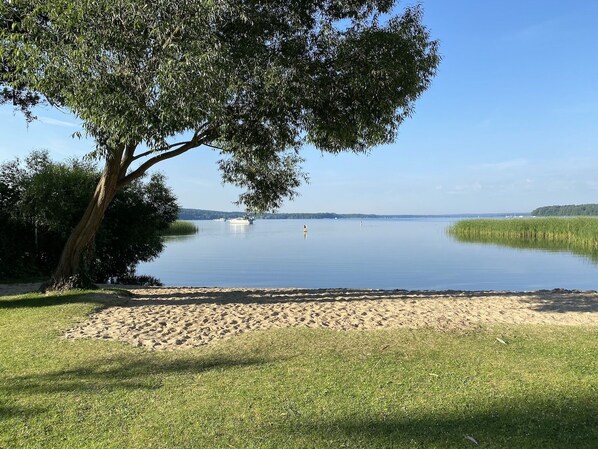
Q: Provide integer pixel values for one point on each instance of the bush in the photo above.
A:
(41, 201)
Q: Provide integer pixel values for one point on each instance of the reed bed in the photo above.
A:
(579, 232)
(181, 227)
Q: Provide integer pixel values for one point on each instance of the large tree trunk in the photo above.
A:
(68, 273)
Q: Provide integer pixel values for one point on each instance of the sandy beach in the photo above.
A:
(170, 318)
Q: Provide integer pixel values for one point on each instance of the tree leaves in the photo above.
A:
(269, 179)
(264, 77)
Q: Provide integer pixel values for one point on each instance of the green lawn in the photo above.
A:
(294, 388)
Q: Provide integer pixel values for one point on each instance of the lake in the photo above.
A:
(413, 254)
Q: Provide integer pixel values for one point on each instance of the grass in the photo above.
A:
(181, 227)
(577, 235)
(294, 388)
(579, 231)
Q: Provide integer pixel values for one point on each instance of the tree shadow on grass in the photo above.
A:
(7, 412)
(70, 297)
(561, 423)
(140, 372)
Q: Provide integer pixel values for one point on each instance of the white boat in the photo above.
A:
(241, 221)
(219, 219)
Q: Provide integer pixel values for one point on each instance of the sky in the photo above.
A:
(508, 124)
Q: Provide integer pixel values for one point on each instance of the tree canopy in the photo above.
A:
(255, 80)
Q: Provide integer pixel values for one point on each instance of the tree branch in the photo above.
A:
(151, 162)
(168, 147)
(212, 146)
(196, 140)
(127, 158)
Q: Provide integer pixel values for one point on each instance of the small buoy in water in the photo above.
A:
(304, 228)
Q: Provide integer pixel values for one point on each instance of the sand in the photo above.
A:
(171, 318)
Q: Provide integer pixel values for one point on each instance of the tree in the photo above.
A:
(254, 80)
(41, 201)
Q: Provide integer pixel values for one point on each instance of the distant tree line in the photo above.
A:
(203, 214)
(308, 216)
(570, 210)
(41, 201)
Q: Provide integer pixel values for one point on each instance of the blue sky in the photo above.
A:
(509, 124)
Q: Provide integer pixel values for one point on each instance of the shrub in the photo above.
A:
(41, 201)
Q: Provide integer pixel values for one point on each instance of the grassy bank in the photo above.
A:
(579, 233)
(294, 388)
(181, 227)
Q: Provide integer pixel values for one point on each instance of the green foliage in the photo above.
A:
(294, 388)
(132, 228)
(570, 210)
(55, 194)
(41, 201)
(256, 80)
(180, 227)
(18, 235)
(578, 235)
(12, 90)
(203, 214)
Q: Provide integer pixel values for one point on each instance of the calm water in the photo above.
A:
(386, 254)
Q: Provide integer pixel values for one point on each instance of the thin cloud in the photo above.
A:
(54, 122)
(465, 188)
(534, 31)
(501, 166)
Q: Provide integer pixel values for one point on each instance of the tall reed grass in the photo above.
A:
(571, 233)
(181, 227)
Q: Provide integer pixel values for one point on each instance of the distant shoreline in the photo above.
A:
(204, 214)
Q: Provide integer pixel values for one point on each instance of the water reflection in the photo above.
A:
(240, 228)
(179, 238)
(538, 244)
